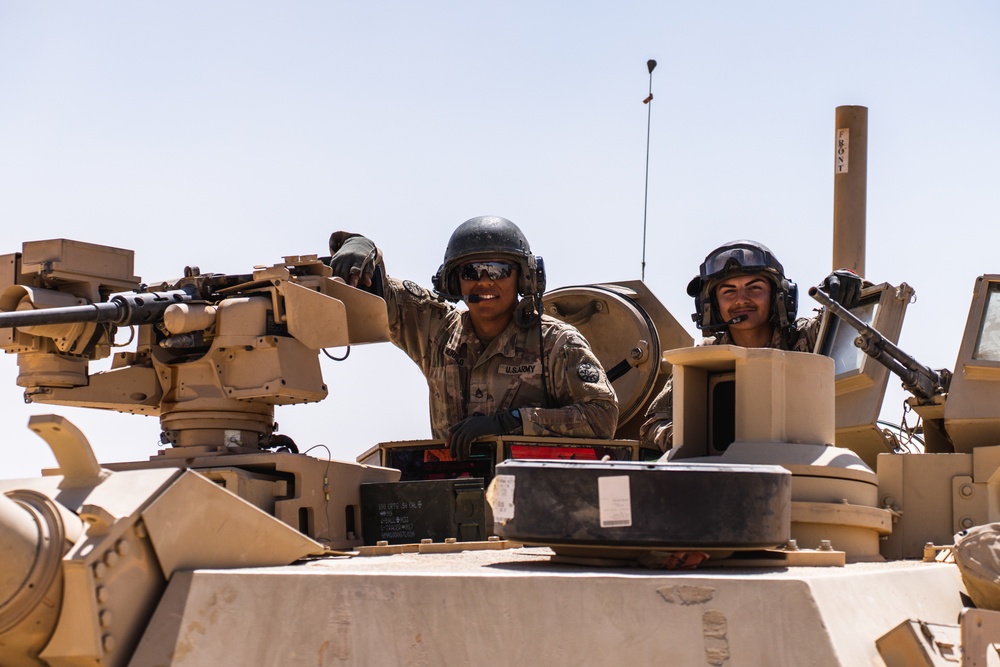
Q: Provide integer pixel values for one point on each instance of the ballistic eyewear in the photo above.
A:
(493, 270)
(746, 258)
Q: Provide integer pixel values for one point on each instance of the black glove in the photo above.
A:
(844, 287)
(354, 258)
(461, 435)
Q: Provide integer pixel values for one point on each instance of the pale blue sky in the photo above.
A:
(229, 134)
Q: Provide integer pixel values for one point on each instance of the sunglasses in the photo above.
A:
(493, 270)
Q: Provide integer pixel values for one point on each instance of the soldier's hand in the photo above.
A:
(844, 287)
(353, 258)
(461, 435)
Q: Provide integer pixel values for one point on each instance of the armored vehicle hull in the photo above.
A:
(517, 607)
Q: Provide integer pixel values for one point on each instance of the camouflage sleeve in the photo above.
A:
(416, 316)
(658, 429)
(806, 333)
(588, 407)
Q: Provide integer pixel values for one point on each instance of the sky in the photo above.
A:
(226, 135)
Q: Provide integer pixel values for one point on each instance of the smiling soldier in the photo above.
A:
(499, 367)
(742, 296)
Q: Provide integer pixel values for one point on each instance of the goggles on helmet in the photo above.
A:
(493, 270)
(743, 258)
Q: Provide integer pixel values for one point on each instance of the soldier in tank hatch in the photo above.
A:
(500, 367)
(742, 297)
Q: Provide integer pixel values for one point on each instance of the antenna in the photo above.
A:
(650, 65)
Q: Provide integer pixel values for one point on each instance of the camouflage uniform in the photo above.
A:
(658, 429)
(466, 378)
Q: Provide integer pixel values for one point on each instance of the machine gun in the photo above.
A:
(919, 380)
(214, 353)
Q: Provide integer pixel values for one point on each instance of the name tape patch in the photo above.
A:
(518, 369)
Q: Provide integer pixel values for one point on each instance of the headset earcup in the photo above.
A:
(532, 278)
(712, 314)
(704, 310)
(792, 302)
(539, 286)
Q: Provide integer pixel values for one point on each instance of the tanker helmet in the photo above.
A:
(741, 257)
(488, 236)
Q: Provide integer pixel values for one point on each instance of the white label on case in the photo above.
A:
(615, 501)
(502, 500)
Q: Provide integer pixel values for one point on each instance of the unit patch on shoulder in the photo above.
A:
(413, 288)
(588, 372)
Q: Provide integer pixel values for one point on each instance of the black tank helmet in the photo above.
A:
(741, 258)
(484, 237)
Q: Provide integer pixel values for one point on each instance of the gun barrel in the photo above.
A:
(916, 377)
(881, 355)
(121, 309)
(91, 312)
(876, 345)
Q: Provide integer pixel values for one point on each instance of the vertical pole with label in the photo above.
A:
(850, 188)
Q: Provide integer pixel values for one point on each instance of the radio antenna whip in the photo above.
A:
(650, 65)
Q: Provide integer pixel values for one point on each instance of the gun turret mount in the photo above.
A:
(213, 353)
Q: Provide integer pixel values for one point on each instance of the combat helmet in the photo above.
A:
(740, 258)
(488, 236)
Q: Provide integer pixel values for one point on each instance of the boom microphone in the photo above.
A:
(471, 298)
(720, 327)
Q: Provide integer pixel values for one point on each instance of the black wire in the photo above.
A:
(346, 354)
(329, 454)
(541, 349)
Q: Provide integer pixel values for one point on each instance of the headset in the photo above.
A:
(741, 257)
(493, 237)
